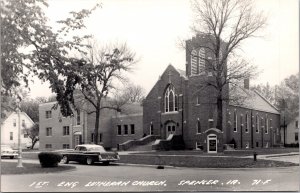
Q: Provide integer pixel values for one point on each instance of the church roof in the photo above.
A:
(182, 73)
(253, 100)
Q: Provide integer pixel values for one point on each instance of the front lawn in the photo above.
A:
(31, 168)
(264, 151)
(201, 161)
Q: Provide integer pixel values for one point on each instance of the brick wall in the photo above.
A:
(57, 139)
(135, 120)
(153, 105)
(252, 137)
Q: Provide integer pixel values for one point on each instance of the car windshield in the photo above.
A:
(96, 148)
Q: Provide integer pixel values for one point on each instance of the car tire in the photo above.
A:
(11, 157)
(89, 161)
(106, 163)
(65, 160)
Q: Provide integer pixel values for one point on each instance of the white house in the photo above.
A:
(9, 130)
(291, 133)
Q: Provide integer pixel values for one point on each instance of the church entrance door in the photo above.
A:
(170, 129)
(212, 143)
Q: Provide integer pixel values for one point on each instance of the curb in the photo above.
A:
(283, 155)
(147, 165)
(184, 167)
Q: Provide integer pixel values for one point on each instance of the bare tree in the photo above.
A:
(226, 24)
(33, 134)
(267, 91)
(134, 93)
(97, 75)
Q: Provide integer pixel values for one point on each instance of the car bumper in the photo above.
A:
(9, 154)
(109, 158)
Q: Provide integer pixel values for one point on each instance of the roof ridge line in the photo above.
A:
(265, 100)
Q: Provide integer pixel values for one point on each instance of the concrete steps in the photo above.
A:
(146, 147)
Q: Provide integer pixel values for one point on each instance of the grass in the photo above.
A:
(30, 168)
(202, 162)
(265, 151)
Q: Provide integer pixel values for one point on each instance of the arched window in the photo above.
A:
(257, 124)
(241, 122)
(171, 99)
(266, 125)
(247, 123)
(262, 124)
(198, 126)
(201, 60)
(234, 121)
(194, 62)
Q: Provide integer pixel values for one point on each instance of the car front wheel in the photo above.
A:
(89, 161)
(11, 157)
(65, 160)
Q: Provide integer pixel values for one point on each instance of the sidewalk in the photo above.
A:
(292, 157)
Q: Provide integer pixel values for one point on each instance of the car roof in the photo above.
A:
(5, 146)
(89, 145)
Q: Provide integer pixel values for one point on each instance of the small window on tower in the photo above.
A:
(198, 126)
(197, 101)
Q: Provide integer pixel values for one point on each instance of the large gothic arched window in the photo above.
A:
(171, 99)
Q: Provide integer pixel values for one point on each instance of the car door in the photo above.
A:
(74, 155)
(82, 154)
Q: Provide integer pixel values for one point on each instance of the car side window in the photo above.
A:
(77, 148)
(82, 148)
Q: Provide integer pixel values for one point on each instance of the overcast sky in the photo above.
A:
(153, 28)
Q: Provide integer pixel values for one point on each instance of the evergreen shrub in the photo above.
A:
(49, 159)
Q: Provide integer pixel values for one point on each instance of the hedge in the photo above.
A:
(49, 159)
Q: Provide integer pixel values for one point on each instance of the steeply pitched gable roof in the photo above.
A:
(170, 66)
(182, 73)
(12, 113)
(254, 100)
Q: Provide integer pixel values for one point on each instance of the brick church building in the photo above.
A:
(177, 110)
(176, 114)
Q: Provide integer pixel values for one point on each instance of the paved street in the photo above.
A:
(119, 177)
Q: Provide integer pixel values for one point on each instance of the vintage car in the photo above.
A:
(7, 151)
(89, 153)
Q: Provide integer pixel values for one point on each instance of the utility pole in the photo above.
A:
(20, 165)
(182, 118)
(284, 128)
(284, 124)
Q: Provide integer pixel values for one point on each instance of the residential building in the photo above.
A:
(58, 132)
(9, 129)
(292, 133)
